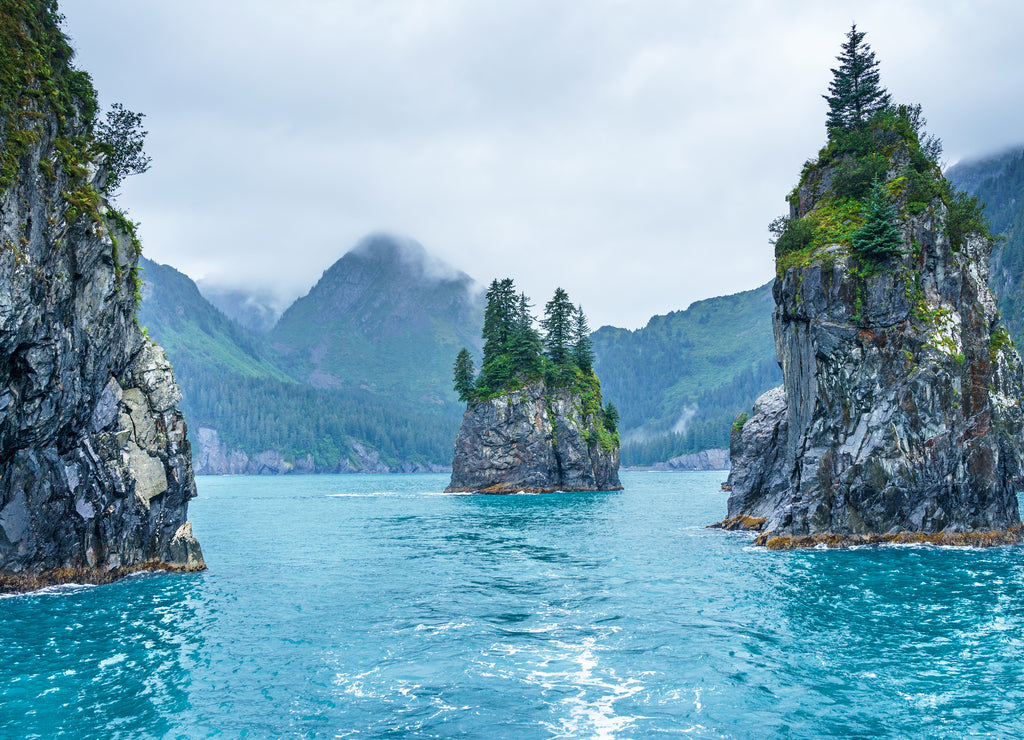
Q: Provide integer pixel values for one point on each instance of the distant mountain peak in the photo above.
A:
(401, 255)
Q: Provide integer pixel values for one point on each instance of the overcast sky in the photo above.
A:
(631, 152)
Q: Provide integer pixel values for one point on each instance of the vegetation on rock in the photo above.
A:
(516, 354)
(855, 93)
(899, 417)
(878, 169)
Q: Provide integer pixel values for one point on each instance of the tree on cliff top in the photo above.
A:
(583, 347)
(878, 238)
(855, 93)
(558, 327)
(463, 370)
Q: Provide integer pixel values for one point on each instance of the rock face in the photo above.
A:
(534, 439)
(900, 415)
(713, 459)
(95, 471)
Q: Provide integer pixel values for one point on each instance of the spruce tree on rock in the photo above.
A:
(499, 326)
(463, 370)
(583, 347)
(611, 418)
(878, 238)
(525, 345)
(558, 327)
(855, 93)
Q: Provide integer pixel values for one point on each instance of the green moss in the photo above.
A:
(999, 342)
(36, 78)
(741, 420)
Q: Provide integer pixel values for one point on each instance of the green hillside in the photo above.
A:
(233, 382)
(680, 381)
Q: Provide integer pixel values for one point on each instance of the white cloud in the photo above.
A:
(632, 152)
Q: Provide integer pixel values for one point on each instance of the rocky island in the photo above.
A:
(899, 419)
(95, 466)
(535, 420)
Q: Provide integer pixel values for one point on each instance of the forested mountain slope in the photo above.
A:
(680, 381)
(267, 420)
(387, 317)
(998, 182)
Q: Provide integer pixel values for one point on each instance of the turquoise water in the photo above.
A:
(376, 607)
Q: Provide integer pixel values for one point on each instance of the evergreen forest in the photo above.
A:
(517, 353)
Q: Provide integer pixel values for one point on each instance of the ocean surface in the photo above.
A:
(378, 607)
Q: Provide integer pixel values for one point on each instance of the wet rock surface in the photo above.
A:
(534, 439)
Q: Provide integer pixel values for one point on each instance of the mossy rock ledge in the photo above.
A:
(534, 439)
(95, 465)
(899, 419)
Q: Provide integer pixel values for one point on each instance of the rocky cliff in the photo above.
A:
(899, 418)
(535, 439)
(95, 471)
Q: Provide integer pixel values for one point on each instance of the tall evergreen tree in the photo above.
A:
(525, 345)
(558, 327)
(499, 326)
(499, 318)
(855, 93)
(463, 370)
(583, 347)
(878, 238)
(611, 418)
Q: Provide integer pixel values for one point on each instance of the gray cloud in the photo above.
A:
(631, 152)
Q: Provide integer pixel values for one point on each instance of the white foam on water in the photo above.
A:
(591, 712)
(371, 494)
(61, 590)
(113, 660)
(438, 629)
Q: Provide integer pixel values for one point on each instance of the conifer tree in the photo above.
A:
(611, 417)
(463, 370)
(583, 347)
(525, 345)
(855, 93)
(499, 325)
(878, 238)
(499, 318)
(558, 327)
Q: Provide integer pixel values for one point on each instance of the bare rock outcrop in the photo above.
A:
(534, 439)
(95, 465)
(900, 416)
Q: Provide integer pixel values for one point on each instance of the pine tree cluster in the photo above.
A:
(516, 352)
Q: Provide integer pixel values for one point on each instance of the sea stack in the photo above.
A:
(534, 420)
(900, 418)
(534, 439)
(95, 466)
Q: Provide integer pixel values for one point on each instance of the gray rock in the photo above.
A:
(95, 472)
(713, 459)
(900, 415)
(533, 439)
